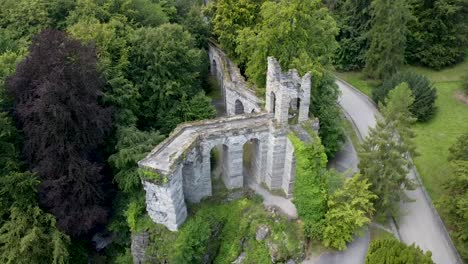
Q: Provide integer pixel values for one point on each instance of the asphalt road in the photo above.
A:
(419, 223)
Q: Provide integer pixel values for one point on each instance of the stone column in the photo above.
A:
(289, 170)
(259, 160)
(165, 203)
(276, 158)
(233, 166)
(306, 84)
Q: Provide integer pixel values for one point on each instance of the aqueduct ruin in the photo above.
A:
(184, 157)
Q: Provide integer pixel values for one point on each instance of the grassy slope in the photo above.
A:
(434, 137)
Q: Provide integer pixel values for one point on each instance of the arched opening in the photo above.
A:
(293, 112)
(273, 102)
(218, 164)
(251, 162)
(214, 70)
(239, 108)
(253, 111)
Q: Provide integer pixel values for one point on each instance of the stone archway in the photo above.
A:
(293, 111)
(239, 108)
(251, 160)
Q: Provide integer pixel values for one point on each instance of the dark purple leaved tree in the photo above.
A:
(56, 91)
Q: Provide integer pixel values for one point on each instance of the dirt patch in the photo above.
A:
(461, 97)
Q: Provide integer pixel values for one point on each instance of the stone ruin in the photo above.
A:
(184, 158)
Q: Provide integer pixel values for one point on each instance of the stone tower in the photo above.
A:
(286, 91)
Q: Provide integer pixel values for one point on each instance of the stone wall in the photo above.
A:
(184, 158)
(233, 85)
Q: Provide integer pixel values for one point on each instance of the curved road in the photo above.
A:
(420, 223)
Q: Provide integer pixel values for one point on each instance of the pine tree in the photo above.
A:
(385, 154)
(388, 34)
(353, 18)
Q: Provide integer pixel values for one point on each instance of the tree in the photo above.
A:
(310, 188)
(230, 17)
(385, 154)
(387, 36)
(299, 34)
(455, 203)
(438, 36)
(56, 90)
(353, 19)
(325, 107)
(165, 66)
(27, 234)
(424, 92)
(392, 251)
(459, 150)
(349, 209)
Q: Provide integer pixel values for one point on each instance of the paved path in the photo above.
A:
(284, 205)
(420, 223)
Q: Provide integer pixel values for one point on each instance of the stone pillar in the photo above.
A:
(196, 180)
(165, 203)
(289, 170)
(260, 154)
(305, 98)
(276, 158)
(233, 166)
(138, 247)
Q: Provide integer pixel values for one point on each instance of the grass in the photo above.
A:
(377, 233)
(435, 137)
(358, 80)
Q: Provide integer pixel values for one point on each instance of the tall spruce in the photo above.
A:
(387, 37)
(439, 34)
(385, 154)
(56, 90)
(353, 18)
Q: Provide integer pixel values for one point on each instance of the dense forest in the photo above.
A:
(88, 87)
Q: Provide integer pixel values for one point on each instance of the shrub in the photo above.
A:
(310, 190)
(392, 251)
(423, 90)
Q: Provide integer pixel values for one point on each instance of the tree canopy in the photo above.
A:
(56, 90)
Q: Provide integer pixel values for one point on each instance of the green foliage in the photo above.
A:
(21, 19)
(324, 106)
(438, 34)
(310, 188)
(459, 150)
(349, 209)
(215, 231)
(299, 34)
(455, 203)
(353, 18)
(392, 251)
(423, 91)
(384, 154)
(387, 36)
(27, 234)
(230, 17)
(165, 66)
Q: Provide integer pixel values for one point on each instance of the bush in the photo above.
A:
(423, 90)
(310, 189)
(392, 251)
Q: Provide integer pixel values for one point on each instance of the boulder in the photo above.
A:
(262, 232)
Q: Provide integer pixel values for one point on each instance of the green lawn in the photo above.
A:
(358, 80)
(436, 136)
